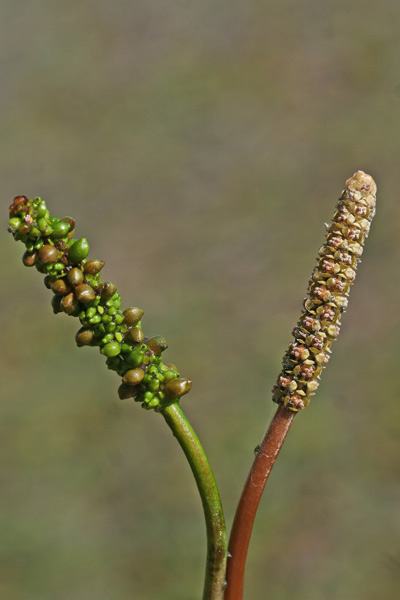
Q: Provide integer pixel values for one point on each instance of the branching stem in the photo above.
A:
(213, 514)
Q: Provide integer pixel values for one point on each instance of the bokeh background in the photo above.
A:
(200, 146)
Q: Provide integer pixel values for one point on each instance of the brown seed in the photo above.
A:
(84, 337)
(48, 254)
(134, 335)
(69, 303)
(133, 315)
(56, 304)
(24, 229)
(127, 391)
(177, 387)
(108, 290)
(29, 258)
(75, 276)
(92, 267)
(157, 344)
(18, 202)
(85, 293)
(60, 287)
(133, 376)
(48, 281)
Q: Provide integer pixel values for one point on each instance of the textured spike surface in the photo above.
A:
(328, 290)
(79, 291)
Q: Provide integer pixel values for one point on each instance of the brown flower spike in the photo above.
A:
(328, 289)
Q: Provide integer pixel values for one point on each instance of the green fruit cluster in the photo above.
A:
(80, 292)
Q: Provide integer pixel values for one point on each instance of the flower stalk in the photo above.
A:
(215, 524)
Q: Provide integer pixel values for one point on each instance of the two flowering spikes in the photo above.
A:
(79, 291)
(328, 289)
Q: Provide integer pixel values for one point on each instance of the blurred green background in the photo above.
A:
(200, 146)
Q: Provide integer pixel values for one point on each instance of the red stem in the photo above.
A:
(251, 495)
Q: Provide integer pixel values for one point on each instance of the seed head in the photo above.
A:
(328, 289)
(80, 292)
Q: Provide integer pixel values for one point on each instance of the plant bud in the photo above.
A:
(13, 225)
(24, 229)
(75, 276)
(48, 282)
(133, 376)
(132, 316)
(69, 303)
(135, 358)
(78, 251)
(177, 387)
(127, 391)
(108, 290)
(111, 349)
(157, 344)
(56, 304)
(60, 229)
(85, 293)
(92, 267)
(60, 287)
(48, 254)
(29, 258)
(18, 202)
(84, 337)
(71, 223)
(134, 335)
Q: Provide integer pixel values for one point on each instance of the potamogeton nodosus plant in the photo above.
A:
(78, 290)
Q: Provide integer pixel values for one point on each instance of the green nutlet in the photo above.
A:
(78, 251)
(111, 349)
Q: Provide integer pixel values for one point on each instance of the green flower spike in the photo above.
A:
(328, 289)
(79, 291)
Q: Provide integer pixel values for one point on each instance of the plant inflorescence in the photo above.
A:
(80, 292)
(328, 289)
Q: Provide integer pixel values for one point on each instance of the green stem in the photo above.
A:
(214, 517)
